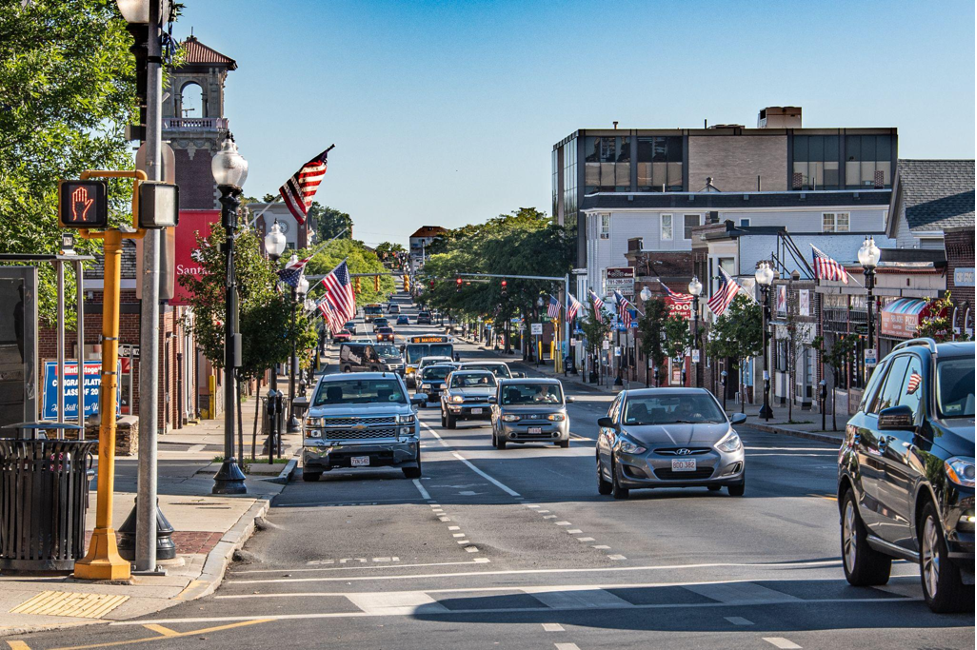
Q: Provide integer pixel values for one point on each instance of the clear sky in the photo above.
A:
(445, 113)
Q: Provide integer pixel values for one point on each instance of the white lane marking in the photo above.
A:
(589, 598)
(420, 488)
(508, 572)
(562, 523)
(444, 519)
(463, 541)
(781, 642)
(552, 627)
(741, 593)
(585, 539)
(471, 549)
(542, 512)
(616, 557)
(575, 531)
(454, 527)
(567, 646)
(457, 534)
(602, 547)
(532, 505)
(738, 620)
(502, 486)
(402, 603)
(196, 449)
(347, 568)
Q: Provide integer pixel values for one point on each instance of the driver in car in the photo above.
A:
(545, 395)
(685, 412)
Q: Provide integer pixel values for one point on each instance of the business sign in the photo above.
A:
(620, 279)
(963, 277)
(782, 299)
(186, 252)
(678, 308)
(536, 329)
(871, 357)
(804, 302)
(90, 389)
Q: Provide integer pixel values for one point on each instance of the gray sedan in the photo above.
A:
(668, 437)
(530, 410)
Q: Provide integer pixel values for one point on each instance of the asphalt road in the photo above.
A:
(515, 549)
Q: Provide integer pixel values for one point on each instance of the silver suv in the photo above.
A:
(361, 419)
(468, 395)
(530, 410)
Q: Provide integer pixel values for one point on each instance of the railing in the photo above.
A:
(195, 123)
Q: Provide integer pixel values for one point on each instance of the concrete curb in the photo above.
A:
(797, 433)
(286, 474)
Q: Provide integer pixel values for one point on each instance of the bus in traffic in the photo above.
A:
(372, 311)
(425, 345)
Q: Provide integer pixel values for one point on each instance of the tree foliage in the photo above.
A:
(67, 88)
(385, 249)
(938, 322)
(837, 357)
(359, 259)
(329, 223)
(663, 336)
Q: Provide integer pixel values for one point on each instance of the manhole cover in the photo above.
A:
(64, 603)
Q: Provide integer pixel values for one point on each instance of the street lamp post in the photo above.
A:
(764, 278)
(299, 291)
(645, 297)
(275, 243)
(536, 348)
(230, 170)
(695, 288)
(868, 256)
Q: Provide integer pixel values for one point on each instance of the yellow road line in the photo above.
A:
(175, 635)
(165, 631)
(829, 497)
(18, 645)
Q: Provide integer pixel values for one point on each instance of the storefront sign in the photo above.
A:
(963, 277)
(91, 386)
(679, 309)
(804, 302)
(191, 223)
(536, 329)
(620, 279)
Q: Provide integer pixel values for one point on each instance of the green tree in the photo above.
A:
(838, 357)
(67, 88)
(738, 335)
(330, 222)
(663, 336)
(937, 324)
(359, 259)
(385, 249)
(595, 333)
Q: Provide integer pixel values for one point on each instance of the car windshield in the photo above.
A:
(955, 388)
(691, 408)
(515, 394)
(384, 330)
(497, 369)
(360, 391)
(436, 372)
(372, 310)
(473, 380)
(387, 351)
(441, 350)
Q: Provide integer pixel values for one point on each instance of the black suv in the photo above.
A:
(906, 473)
(424, 318)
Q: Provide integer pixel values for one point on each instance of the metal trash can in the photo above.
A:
(43, 500)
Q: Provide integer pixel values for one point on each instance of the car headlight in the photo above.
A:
(510, 418)
(556, 417)
(456, 399)
(406, 419)
(628, 446)
(313, 433)
(960, 470)
(730, 442)
(425, 386)
(313, 422)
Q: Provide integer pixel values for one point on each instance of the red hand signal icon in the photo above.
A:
(80, 204)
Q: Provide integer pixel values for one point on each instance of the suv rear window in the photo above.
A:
(955, 388)
(360, 391)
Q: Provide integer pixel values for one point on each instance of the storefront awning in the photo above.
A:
(900, 318)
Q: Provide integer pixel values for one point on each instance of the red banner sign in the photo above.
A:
(191, 222)
(678, 308)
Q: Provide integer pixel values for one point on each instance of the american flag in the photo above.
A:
(339, 299)
(297, 192)
(727, 290)
(623, 309)
(627, 303)
(826, 268)
(573, 308)
(598, 306)
(680, 298)
(915, 379)
(553, 311)
(293, 271)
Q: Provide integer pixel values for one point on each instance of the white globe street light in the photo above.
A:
(275, 241)
(695, 287)
(869, 254)
(136, 12)
(764, 278)
(646, 294)
(764, 274)
(230, 169)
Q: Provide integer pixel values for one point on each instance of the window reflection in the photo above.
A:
(659, 163)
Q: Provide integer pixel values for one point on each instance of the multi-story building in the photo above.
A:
(420, 240)
(928, 197)
(777, 156)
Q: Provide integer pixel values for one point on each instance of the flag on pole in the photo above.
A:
(727, 290)
(826, 268)
(621, 300)
(573, 308)
(679, 298)
(623, 309)
(293, 271)
(553, 311)
(598, 306)
(297, 192)
(339, 298)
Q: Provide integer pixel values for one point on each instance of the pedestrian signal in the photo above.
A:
(83, 204)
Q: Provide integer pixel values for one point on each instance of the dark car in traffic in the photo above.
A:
(906, 473)
(424, 318)
(385, 334)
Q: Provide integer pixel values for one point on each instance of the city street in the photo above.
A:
(515, 549)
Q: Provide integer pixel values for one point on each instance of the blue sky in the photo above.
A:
(445, 113)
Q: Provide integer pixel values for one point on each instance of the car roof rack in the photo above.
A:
(928, 342)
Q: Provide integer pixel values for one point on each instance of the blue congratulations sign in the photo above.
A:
(90, 389)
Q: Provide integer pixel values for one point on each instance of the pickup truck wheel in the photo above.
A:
(310, 477)
(450, 421)
(943, 587)
(864, 566)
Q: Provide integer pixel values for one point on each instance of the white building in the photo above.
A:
(297, 236)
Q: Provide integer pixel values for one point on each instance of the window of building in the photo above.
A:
(817, 160)
(666, 227)
(691, 221)
(744, 223)
(605, 226)
(835, 221)
(868, 161)
(607, 164)
(659, 162)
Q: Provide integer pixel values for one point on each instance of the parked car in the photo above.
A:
(668, 437)
(432, 379)
(498, 368)
(530, 410)
(342, 336)
(468, 395)
(906, 473)
(370, 357)
(393, 308)
(424, 318)
(361, 420)
(380, 322)
(385, 334)
(403, 319)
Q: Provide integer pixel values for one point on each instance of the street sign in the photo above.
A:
(83, 204)
(871, 357)
(536, 329)
(128, 350)
(695, 356)
(620, 279)
(605, 344)
(617, 350)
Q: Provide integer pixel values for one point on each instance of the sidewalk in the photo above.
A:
(805, 424)
(208, 530)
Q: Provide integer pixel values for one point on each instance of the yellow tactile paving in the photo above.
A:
(65, 603)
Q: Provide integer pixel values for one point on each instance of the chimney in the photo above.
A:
(779, 117)
(615, 125)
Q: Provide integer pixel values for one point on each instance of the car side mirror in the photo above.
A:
(738, 418)
(605, 423)
(418, 398)
(897, 418)
(492, 399)
(569, 400)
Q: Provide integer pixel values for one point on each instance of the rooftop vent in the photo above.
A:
(779, 117)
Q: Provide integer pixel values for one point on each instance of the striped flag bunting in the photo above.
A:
(293, 271)
(297, 192)
(574, 307)
(553, 310)
(338, 305)
(680, 298)
(598, 305)
(826, 268)
(725, 292)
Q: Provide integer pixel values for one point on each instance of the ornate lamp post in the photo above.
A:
(764, 278)
(299, 292)
(695, 288)
(230, 170)
(275, 243)
(645, 297)
(868, 256)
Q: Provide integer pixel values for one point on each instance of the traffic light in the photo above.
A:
(83, 204)
(359, 285)
(432, 285)
(505, 286)
(376, 283)
(458, 284)
(407, 283)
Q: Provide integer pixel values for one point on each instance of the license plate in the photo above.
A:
(359, 461)
(535, 430)
(476, 411)
(683, 465)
